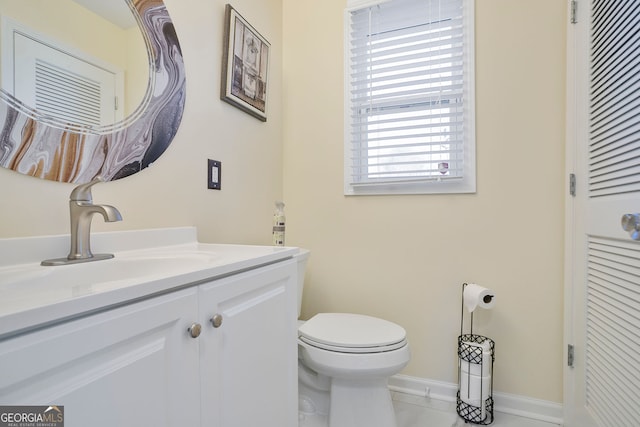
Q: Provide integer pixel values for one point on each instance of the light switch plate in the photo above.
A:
(214, 174)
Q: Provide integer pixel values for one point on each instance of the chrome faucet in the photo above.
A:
(81, 211)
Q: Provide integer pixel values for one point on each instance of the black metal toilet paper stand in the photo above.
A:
(472, 355)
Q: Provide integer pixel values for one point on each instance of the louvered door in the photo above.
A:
(612, 358)
(63, 86)
(59, 81)
(603, 387)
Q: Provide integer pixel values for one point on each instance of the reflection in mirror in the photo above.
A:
(86, 93)
(55, 68)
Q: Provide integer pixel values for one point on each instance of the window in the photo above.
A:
(409, 97)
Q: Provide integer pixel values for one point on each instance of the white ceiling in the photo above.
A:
(115, 11)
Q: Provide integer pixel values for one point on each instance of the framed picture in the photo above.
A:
(245, 66)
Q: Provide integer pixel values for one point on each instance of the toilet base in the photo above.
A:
(361, 403)
(331, 402)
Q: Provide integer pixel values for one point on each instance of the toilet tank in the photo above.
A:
(302, 257)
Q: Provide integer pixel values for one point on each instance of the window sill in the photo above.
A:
(460, 186)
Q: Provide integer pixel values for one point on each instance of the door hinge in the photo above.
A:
(570, 355)
(574, 12)
(115, 103)
(572, 184)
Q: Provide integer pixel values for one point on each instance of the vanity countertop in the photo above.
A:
(146, 263)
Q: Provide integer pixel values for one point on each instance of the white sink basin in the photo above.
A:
(146, 262)
(125, 267)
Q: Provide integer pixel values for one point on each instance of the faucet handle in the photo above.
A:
(82, 193)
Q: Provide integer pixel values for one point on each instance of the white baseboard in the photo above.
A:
(442, 395)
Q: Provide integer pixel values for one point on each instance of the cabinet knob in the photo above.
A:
(194, 330)
(216, 320)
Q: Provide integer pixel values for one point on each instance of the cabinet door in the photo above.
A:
(131, 366)
(249, 362)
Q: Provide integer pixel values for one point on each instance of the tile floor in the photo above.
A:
(411, 415)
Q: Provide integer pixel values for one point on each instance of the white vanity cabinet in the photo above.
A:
(140, 365)
(130, 366)
(248, 349)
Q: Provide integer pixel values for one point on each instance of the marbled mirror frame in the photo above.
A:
(47, 148)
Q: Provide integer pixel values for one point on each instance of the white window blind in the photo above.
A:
(409, 84)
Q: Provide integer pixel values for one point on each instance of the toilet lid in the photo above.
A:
(352, 333)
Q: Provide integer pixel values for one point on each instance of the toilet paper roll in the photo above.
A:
(474, 368)
(474, 352)
(475, 296)
(475, 390)
(479, 360)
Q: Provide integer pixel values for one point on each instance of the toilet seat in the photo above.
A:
(352, 333)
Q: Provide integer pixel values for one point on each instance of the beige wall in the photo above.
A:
(404, 258)
(173, 191)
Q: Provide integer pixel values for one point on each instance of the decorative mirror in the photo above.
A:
(58, 131)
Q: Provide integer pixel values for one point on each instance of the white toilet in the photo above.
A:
(344, 363)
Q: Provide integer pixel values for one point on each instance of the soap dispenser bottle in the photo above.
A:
(278, 224)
